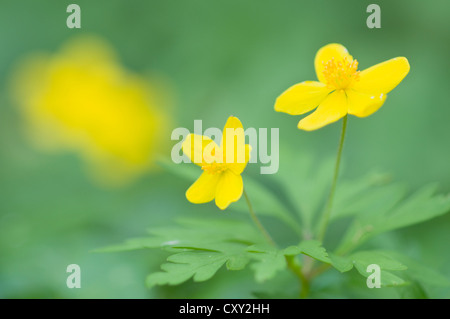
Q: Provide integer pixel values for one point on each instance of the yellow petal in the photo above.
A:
(238, 168)
(301, 98)
(229, 189)
(332, 109)
(382, 77)
(233, 141)
(204, 188)
(325, 54)
(363, 104)
(199, 148)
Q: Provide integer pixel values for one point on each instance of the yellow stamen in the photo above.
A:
(214, 168)
(340, 74)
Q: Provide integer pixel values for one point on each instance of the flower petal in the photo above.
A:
(363, 104)
(238, 168)
(382, 77)
(332, 109)
(198, 148)
(204, 188)
(229, 189)
(233, 142)
(302, 97)
(325, 54)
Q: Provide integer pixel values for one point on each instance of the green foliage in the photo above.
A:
(193, 233)
(268, 262)
(200, 247)
(201, 264)
(361, 260)
(314, 249)
(306, 186)
(230, 59)
(386, 209)
(396, 269)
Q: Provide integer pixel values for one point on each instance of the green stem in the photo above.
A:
(329, 205)
(296, 269)
(304, 282)
(256, 220)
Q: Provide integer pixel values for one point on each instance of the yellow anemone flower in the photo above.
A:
(83, 100)
(341, 88)
(222, 165)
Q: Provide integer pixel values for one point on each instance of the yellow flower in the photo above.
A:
(81, 99)
(222, 165)
(341, 89)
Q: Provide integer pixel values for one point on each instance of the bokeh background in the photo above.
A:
(209, 60)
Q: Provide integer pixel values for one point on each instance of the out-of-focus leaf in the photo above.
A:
(389, 212)
(193, 233)
(412, 291)
(367, 193)
(342, 264)
(306, 184)
(184, 170)
(419, 272)
(377, 257)
(266, 203)
(361, 260)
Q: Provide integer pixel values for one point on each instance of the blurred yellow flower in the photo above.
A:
(222, 165)
(83, 100)
(341, 89)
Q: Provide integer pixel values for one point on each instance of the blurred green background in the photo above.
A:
(219, 58)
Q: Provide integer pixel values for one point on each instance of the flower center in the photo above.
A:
(214, 168)
(340, 74)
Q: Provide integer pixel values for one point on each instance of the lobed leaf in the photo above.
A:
(199, 265)
(193, 233)
(388, 210)
(361, 260)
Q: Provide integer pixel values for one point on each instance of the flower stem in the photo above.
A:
(329, 205)
(256, 220)
(304, 282)
(296, 269)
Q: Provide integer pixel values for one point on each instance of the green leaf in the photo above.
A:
(413, 272)
(206, 245)
(366, 258)
(342, 264)
(314, 249)
(199, 265)
(421, 206)
(292, 251)
(412, 291)
(271, 260)
(187, 171)
(361, 260)
(193, 233)
(367, 193)
(387, 210)
(266, 203)
(268, 262)
(421, 273)
(306, 183)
